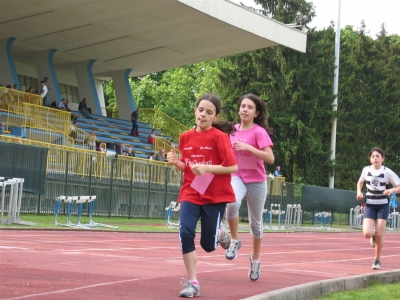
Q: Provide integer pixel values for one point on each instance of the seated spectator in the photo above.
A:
(100, 147)
(84, 109)
(1, 128)
(63, 104)
(73, 133)
(150, 139)
(27, 95)
(160, 156)
(91, 140)
(119, 150)
(7, 96)
(15, 86)
(66, 105)
(151, 156)
(17, 140)
(130, 152)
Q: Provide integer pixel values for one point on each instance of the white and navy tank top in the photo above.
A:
(376, 184)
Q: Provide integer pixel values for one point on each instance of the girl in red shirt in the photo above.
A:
(207, 161)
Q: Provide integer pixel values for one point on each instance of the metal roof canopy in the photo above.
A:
(145, 36)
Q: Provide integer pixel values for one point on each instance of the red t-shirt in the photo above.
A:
(211, 147)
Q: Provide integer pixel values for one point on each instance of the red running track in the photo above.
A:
(39, 264)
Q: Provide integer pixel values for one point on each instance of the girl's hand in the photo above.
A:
(360, 196)
(172, 158)
(199, 169)
(240, 146)
(388, 192)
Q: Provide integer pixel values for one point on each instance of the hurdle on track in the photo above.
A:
(169, 210)
(275, 210)
(393, 222)
(356, 216)
(324, 218)
(79, 200)
(14, 202)
(293, 216)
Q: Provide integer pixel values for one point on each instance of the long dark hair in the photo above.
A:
(224, 126)
(262, 118)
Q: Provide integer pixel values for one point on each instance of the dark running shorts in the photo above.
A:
(376, 211)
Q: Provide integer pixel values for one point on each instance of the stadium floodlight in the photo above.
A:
(299, 22)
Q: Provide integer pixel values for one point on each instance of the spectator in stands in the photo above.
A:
(63, 104)
(8, 96)
(15, 86)
(45, 80)
(119, 150)
(130, 152)
(151, 156)
(28, 92)
(160, 156)
(84, 109)
(73, 133)
(91, 140)
(134, 118)
(43, 93)
(277, 172)
(66, 105)
(100, 147)
(150, 139)
(17, 140)
(1, 128)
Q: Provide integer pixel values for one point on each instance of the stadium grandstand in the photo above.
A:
(72, 52)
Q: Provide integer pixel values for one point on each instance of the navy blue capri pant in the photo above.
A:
(210, 216)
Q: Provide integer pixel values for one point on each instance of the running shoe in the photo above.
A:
(191, 290)
(231, 252)
(376, 265)
(255, 268)
(372, 241)
(224, 238)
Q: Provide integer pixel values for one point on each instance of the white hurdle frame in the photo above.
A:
(14, 203)
(172, 207)
(357, 217)
(79, 200)
(277, 212)
(293, 216)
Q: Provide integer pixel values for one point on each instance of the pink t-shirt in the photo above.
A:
(251, 168)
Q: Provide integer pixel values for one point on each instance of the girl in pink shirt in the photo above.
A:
(252, 147)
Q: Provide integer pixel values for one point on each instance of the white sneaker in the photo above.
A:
(376, 265)
(224, 237)
(231, 252)
(372, 241)
(255, 268)
(191, 290)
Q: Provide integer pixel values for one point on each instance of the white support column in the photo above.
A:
(123, 92)
(8, 74)
(87, 85)
(45, 68)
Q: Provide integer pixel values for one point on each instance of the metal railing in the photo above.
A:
(35, 129)
(87, 163)
(30, 105)
(159, 120)
(8, 95)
